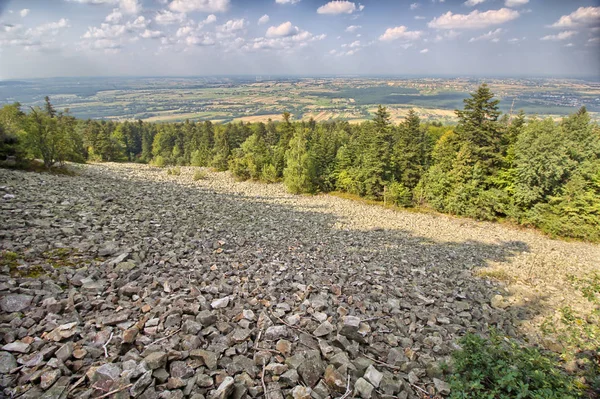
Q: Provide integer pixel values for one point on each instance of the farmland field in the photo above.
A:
(254, 99)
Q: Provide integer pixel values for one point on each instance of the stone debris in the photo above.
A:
(210, 289)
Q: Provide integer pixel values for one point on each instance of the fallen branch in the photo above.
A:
(262, 379)
(106, 395)
(348, 391)
(382, 363)
(421, 389)
(294, 328)
(167, 337)
(106, 344)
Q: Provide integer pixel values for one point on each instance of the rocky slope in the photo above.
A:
(125, 282)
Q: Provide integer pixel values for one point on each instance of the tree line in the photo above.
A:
(489, 166)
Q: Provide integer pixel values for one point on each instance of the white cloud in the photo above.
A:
(263, 20)
(339, 7)
(232, 25)
(400, 32)
(199, 5)
(283, 30)
(451, 34)
(203, 40)
(51, 28)
(24, 12)
(581, 17)
(353, 28)
(515, 3)
(516, 39)
(105, 31)
(300, 38)
(212, 18)
(473, 3)
(491, 36)
(287, 1)
(114, 17)
(414, 6)
(419, 17)
(151, 34)
(560, 36)
(167, 17)
(139, 23)
(424, 51)
(473, 20)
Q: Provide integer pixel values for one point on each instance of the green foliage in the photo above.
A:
(398, 195)
(299, 175)
(500, 368)
(199, 175)
(269, 174)
(176, 171)
(158, 161)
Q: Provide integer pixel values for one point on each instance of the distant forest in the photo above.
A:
(489, 166)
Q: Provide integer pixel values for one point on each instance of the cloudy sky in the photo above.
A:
(45, 38)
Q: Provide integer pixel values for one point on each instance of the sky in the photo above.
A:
(67, 38)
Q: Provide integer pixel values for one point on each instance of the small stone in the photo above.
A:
(334, 379)
(141, 384)
(130, 334)
(363, 388)
(441, 386)
(156, 360)
(284, 346)
(276, 332)
(373, 376)
(225, 389)
(65, 352)
(181, 369)
(241, 334)
(19, 347)
(15, 303)
(115, 318)
(209, 358)
(300, 392)
(49, 378)
(220, 303)
(324, 329)
(499, 302)
(7, 362)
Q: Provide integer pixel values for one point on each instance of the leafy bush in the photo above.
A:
(269, 174)
(500, 368)
(158, 161)
(176, 171)
(399, 195)
(199, 175)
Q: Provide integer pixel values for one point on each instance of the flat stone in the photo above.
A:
(180, 369)
(17, 346)
(156, 360)
(225, 389)
(441, 386)
(363, 388)
(115, 318)
(300, 392)
(373, 375)
(130, 334)
(15, 302)
(324, 329)
(276, 332)
(209, 358)
(220, 303)
(49, 378)
(7, 362)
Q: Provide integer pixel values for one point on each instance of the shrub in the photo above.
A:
(399, 195)
(199, 175)
(176, 171)
(158, 161)
(500, 368)
(269, 174)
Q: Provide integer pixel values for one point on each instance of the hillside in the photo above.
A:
(127, 279)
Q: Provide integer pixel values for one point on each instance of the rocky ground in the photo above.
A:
(123, 281)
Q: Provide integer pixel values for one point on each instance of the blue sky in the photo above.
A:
(46, 38)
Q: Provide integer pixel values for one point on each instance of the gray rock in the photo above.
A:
(225, 389)
(363, 388)
(7, 362)
(16, 346)
(220, 303)
(141, 384)
(180, 369)
(324, 329)
(276, 332)
(373, 376)
(156, 360)
(441, 386)
(15, 303)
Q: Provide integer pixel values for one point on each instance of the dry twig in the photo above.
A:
(348, 391)
(106, 344)
(167, 337)
(106, 395)
(382, 363)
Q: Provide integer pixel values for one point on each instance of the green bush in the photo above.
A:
(199, 175)
(158, 161)
(176, 171)
(500, 368)
(269, 174)
(399, 195)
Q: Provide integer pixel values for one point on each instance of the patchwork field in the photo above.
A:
(246, 99)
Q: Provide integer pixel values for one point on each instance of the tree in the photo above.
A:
(299, 175)
(50, 111)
